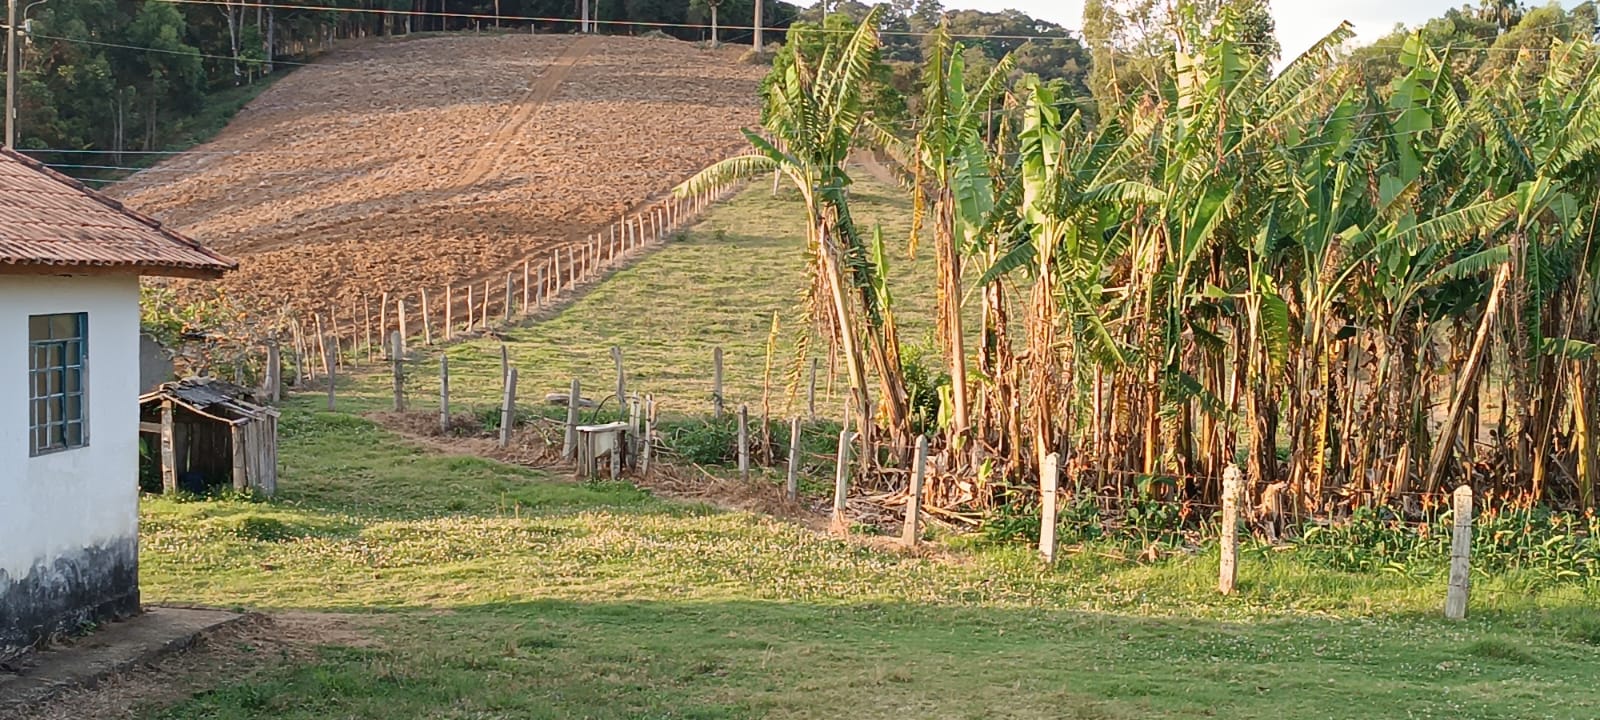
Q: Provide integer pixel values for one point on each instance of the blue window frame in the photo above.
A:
(58, 358)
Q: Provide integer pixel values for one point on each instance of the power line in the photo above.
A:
(1068, 34)
(195, 53)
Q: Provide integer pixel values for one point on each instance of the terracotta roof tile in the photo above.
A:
(50, 221)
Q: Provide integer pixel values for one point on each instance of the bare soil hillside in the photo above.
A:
(391, 165)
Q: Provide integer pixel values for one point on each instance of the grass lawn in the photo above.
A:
(496, 591)
(717, 285)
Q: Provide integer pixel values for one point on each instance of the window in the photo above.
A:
(57, 359)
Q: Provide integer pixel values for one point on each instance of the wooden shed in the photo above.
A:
(205, 433)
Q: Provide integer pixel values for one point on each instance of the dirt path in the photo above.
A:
(259, 644)
(528, 107)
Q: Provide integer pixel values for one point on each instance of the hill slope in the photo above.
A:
(397, 164)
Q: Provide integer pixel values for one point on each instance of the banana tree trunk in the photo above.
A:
(1469, 376)
(949, 259)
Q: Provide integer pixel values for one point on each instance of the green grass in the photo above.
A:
(716, 285)
(501, 592)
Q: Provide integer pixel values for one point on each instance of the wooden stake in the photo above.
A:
(400, 318)
(648, 445)
(470, 306)
(485, 316)
(527, 287)
(910, 533)
(811, 392)
(322, 344)
(366, 310)
(744, 442)
(841, 483)
(274, 373)
(569, 444)
(326, 362)
(398, 357)
(1049, 481)
(622, 388)
(427, 328)
(383, 320)
(1229, 570)
(1455, 604)
(449, 312)
(169, 457)
(716, 383)
(508, 409)
(792, 485)
(297, 344)
(444, 393)
(510, 283)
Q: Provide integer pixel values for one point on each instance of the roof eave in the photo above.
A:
(118, 269)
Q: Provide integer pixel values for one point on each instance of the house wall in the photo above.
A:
(69, 520)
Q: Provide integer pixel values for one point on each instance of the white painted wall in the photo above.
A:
(63, 502)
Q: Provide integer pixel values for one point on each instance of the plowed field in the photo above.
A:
(393, 165)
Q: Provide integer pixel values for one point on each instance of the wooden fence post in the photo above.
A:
(299, 361)
(1228, 571)
(648, 444)
(383, 320)
(510, 286)
(468, 327)
(169, 456)
(1455, 604)
(570, 443)
(400, 319)
(910, 533)
(328, 352)
(792, 485)
(321, 345)
(841, 483)
(716, 383)
(366, 311)
(811, 392)
(508, 409)
(485, 322)
(527, 276)
(444, 393)
(622, 387)
(399, 372)
(744, 442)
(1049, 483)
(427, 327)
(274, 373)
(449, 311)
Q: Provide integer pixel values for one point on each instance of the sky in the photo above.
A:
(1300, 22)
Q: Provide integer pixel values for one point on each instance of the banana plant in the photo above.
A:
(816, 111)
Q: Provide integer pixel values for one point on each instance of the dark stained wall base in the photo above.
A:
(67, 594)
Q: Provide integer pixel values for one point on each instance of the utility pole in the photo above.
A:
(11, 74)
(759, 3)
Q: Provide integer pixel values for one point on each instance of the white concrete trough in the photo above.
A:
(602, 441)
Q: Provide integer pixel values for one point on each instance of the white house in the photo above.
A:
(70, 262)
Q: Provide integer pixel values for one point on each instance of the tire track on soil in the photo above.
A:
(528, 107)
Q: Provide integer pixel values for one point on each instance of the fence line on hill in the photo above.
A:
(442, 314)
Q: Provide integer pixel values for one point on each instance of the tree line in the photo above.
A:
(1363, 282)
(128, 76)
